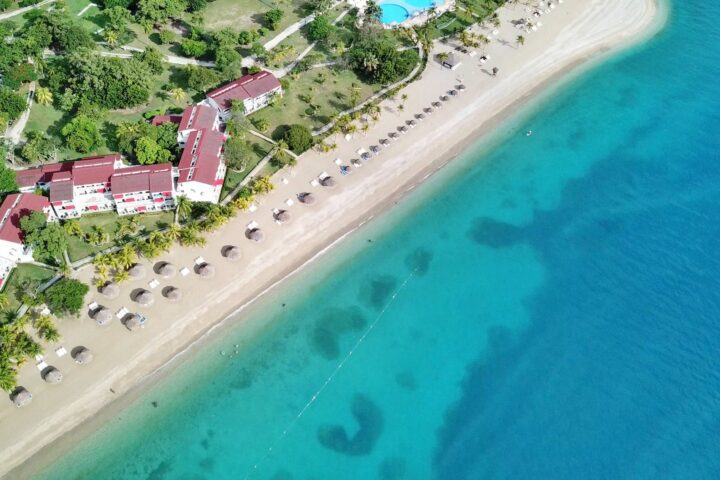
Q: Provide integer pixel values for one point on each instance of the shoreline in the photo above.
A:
(186, 341)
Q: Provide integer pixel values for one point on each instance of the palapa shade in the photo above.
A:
(137, 270)
(233, 253)
(206, 270)
(110, 290)
(307, 198)
(167, 270)
(53, 375)
(145, 298)
(328, 182)
(282, 216)
(173, 294)
(82, 355)
(102, 316)
(256, 235)
(21, 397)
(133, 323)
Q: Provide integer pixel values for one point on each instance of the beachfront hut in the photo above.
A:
(307, 198)
(256, 235)
(145, 298)
(282, 216)
(167, 270)
(137, 271)
(102, 316)
(206, 270)
(52, 375)
(173, 294)
(133, 323)
(20, 397)
(452, 61)
(82, 355)
(110, 290)
(328, 182)
(233, 253)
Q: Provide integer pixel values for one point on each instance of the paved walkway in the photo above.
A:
(88, 7)
(20, 11)
(14, 133)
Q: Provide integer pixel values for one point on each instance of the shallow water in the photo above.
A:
(550, 312)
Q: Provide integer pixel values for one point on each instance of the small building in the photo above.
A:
(201, 171)
(143, 188)
(452, 61)
(255, 91)
(13, 208)
(160, 119)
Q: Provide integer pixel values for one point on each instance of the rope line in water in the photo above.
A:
(329, 379)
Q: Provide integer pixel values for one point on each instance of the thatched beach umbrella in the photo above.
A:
(206, 270)
(328, 182)
(428, 110)
(145, 298)
(173, 294)
(402, 129)
(420, 116)
(20, 397)
(137, 270)
(133, 323)
(52, 375)
(167, 270)
(384, 141)
(444, 98)
(307, 198)
(282, 216)
(82, 355)
(110, 290)
(437, 104)
(393, 135)
(256, 235)
(102, 316)
(461, 87)
(411, 123)
(366, 156)
(453, 93)
(233, 253)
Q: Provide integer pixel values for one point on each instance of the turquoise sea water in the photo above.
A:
(556, 312)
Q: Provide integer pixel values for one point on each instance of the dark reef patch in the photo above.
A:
(419, 261)
(392, 468)
(406, 380)
(491, 233)
(328, 329)
(370, 422)
(378, 291)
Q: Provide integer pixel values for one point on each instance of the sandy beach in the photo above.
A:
(573, 33)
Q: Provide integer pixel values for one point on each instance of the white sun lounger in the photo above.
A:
(252, 207)
(252, 225)
(60, 352)
(45, 311)
(289, 202)
(93, 306)
(314, 182)
(42, 366)
(184, 271)
(285, 181)
(122, 312)
(361, 151)
(153, 283)
(323, 176)
(199, 261)
(39, 357)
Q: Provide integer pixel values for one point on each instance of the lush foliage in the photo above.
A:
(321, 28)
(66, 297)
(48, 240)
(377, 59)
(298, 137)
(11, 104)
(82, 134)
(273, 17)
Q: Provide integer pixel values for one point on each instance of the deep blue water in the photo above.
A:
(555, 313)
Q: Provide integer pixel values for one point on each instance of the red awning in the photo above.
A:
(100, 190)
(141, 209)
(159, 200)
(69, 207)
(92, 207)
(218, 182)
(130, 199)
(167, 194)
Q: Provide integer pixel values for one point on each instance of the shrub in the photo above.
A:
(298, 137)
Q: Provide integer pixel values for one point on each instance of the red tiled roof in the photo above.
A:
(142, 178)
(94, 169)
(197, 117)
(32, 176)
(13, 209)
(248, 86)
(200, 159)
(160, 119)
(61, 189)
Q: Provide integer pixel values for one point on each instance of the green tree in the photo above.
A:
(8, 184)
(237, 153)
(82, 134)
(66, 297)
(12, 105)
(261, 185)
(48, 240)
(38, 147)
(183, 208)
(201, 78)
(298, 137)
(373, 10)
(152, 59)
(321, 28)
(73, 228)
(166, 37)
(178, 94)
(157, 12)
(273, 17)
(43, 96)
(520, 40)
(193, 48)
(148, 152)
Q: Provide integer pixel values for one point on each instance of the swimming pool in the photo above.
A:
(397, 11)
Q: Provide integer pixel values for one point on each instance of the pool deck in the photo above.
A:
(418, 15)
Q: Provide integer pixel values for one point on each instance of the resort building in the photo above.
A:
(143, 188)
(201, 172)
(12, 210)
(255, 91)
(197, 117)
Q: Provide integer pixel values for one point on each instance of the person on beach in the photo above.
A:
(495, 71)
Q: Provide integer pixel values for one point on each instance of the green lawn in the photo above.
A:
(247, 14)
(260, 148)
(450, 23)
(25, 276)
(329, 98)
(78, 248)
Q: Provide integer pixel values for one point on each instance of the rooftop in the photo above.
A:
(201, 157)
(13, 209)
(197, 117)
(248, 86)
(142, 178)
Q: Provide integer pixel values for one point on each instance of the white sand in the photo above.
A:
(571, 33)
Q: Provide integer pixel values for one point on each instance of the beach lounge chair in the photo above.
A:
(93, 306)
(285, 181)
(250, 226)
(252, 208)
(39, 357)
(338, 161)
(314, 182)
(184, 271)
(41, 366)
(289, 202)
(122, 312)
(199, 261)
(60, 352)
(323, 176)
(45, 311)
(153, 283)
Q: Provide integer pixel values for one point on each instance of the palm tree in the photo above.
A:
(262, 185)
(43, 96)
(8, 377)
(121, 276)
(183, 208)
(127, 256)
(173, 232)
(401, 107)
(178, 94)
(111, 37)
(520, 40)
(73, 228)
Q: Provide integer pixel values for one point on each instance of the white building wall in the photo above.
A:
(199, 192)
